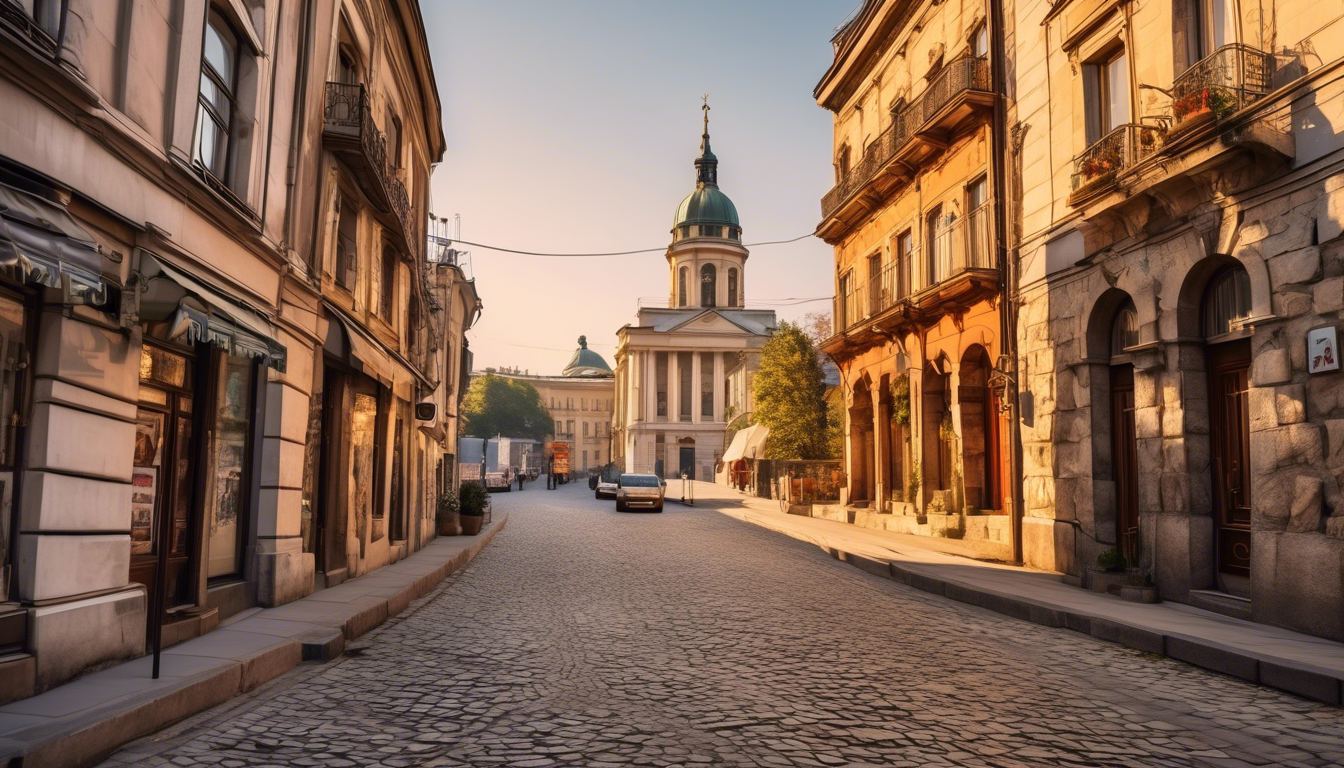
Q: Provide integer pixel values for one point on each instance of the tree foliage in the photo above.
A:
(495, 405)
(790, 391)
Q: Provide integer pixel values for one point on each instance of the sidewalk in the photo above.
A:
(1259, 653)
(79, 723)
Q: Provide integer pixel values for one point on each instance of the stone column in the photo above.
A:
(959, 472)
(650, 385)
(719, 405)
(881, 448)
(696, 388)
(850, 459)
(74, 547)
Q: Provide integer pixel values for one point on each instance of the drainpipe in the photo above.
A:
(1008, 306)
(296, 128)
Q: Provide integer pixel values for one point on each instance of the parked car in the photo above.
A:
(639, 491)
(608, 482)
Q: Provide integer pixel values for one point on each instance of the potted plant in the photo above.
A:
(446, 515)
(472, 501)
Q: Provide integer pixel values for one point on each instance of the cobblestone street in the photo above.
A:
(582, 637)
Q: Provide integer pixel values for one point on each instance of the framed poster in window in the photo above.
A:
(1322, 350)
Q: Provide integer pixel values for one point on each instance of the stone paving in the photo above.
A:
(583, 637)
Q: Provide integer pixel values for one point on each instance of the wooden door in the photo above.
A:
(1229, 433)
(686, 462)
(1125, 462)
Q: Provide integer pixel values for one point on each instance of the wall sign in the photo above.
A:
(1322, 350)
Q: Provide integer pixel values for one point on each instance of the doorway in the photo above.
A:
(1229, 433)
(686, 461)
(163, 480)
(1125, 462)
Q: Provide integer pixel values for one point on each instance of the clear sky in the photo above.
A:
(572, 126)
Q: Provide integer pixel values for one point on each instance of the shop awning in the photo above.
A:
(363, 353)
(748, 443)
(42, 244)
(221, 321)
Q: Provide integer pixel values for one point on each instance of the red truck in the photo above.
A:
(559, 451)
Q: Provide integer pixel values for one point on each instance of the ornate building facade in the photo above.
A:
(915, 218)
(1181, 209)
(671, 385)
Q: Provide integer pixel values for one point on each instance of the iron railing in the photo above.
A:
(348, 112)
(1121, 149)
(960, 75)
(1224, 82)
(956, 245)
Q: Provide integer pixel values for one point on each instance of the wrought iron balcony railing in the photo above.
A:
(348, 122)
(1226, 81)
(957, 245)
(958, 77)
(1121, 149)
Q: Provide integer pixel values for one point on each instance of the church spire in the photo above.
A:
(706, 165)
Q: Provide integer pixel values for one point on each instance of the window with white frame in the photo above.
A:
(217, 98)
(1106, 93)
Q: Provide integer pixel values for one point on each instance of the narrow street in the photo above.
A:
(582, 637)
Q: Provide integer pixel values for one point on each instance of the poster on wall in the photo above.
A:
(1322, 350)
(144, 487)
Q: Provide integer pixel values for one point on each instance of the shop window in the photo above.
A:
(13, 385)
(217, 98)
(226, 474)
(396, 495)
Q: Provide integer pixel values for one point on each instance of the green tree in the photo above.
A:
(790, 396)
(495, 405)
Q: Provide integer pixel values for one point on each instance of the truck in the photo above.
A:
(559, 451)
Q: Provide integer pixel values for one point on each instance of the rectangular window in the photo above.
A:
(938, 251)
(660, 382)
(389, 280)
(1106, 94)
(569, 426)
(905, 244)
(977, 225)
(585, 429)
(347, 230)
(707, 385)
(980, 41)
(684, 384)
(844, 300)
(229, 441)
(876, 298)
(1217, 22)
(216, 99)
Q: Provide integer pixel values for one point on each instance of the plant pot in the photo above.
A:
(471, 524)
(449, 524)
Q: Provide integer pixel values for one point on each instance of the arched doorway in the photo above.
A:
(1225, 306)
(938, 434)
(861, 487)
(1124, 336)
(979, 432)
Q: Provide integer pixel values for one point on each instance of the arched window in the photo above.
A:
(1125, 329)
(732, 287)
(709, 284)
(681, 286)
(1227, 301)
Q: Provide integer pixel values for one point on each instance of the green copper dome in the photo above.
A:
(587, 364)
(707, 204)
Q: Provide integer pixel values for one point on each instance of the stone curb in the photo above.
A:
(89, 737)
(1304, 680)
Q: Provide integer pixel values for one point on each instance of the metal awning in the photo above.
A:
(221, 321)
(42, 244)
(362, 352)
(747, 443)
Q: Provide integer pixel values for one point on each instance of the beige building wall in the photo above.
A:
(1223, 169)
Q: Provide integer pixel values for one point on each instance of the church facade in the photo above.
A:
(671, 365)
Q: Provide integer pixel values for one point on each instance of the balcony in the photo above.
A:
(1123, 148)
(955, 270)
(349, 131)
(1231, 79)
(920, 129)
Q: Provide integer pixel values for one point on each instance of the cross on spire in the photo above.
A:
(706, 165)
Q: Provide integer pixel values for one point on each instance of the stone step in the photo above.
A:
(1221, 602)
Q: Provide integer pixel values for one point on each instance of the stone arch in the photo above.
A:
(1101, 319)
(978, 336)
(709, 285)
(980, 430)
(862, 471)
(1190, 299)
(935, 413)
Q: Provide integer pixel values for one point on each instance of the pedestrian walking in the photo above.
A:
(520, 478)
(550, 473)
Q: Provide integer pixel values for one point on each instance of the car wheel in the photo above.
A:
(620, 506)
(658, 508)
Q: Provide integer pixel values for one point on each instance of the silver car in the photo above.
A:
(639, 492)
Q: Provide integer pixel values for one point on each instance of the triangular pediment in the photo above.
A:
(709, 321)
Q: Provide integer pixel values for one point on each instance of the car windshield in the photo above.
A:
(639, 481)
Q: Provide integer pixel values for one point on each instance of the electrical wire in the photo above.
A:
(449, 241)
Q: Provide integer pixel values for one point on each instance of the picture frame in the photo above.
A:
(1322, 350)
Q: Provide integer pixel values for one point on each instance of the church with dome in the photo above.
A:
(680, 370)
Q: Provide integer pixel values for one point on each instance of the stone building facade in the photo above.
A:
(915, 220)
(671, 366)
(1179, 258)
(581, 402)
(182, 185)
